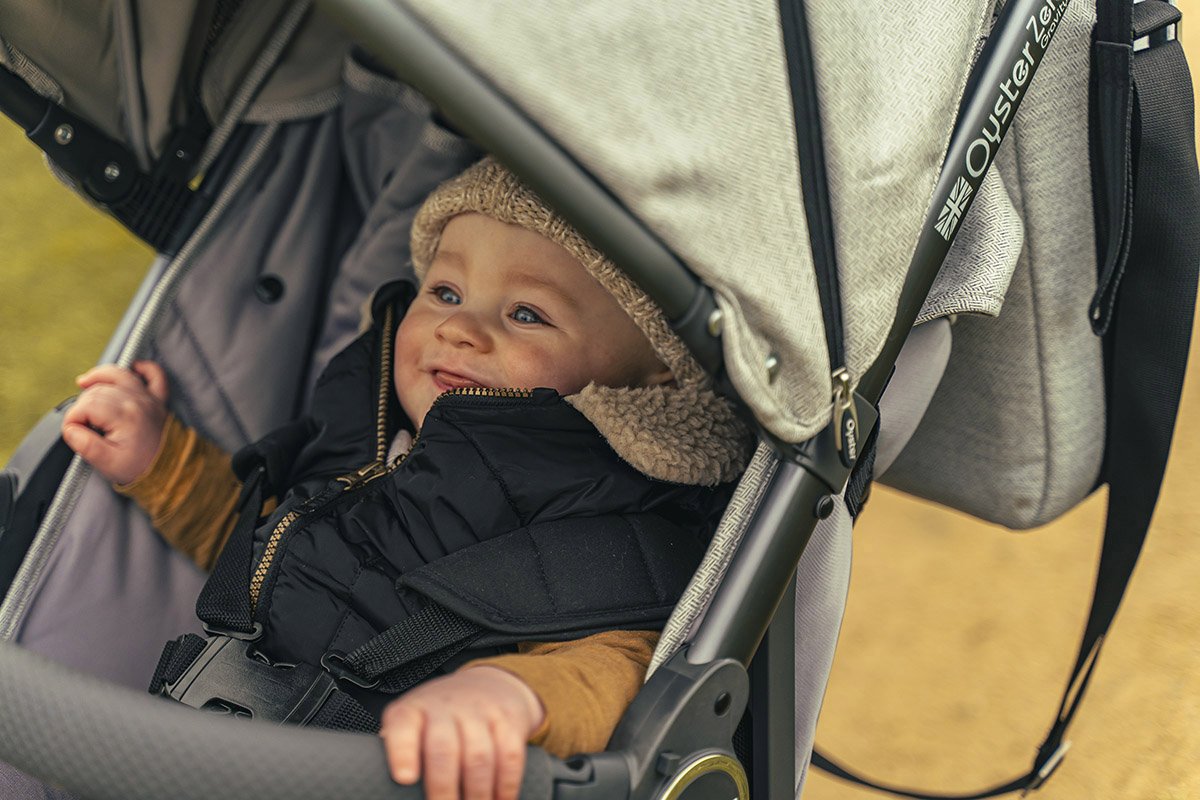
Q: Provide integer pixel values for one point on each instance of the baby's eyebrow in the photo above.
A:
(524, 280)
(452, 255)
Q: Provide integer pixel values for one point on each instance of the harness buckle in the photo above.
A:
(228, 678)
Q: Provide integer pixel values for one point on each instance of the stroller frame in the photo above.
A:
(674, 741)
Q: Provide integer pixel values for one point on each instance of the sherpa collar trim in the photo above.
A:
(685, 435)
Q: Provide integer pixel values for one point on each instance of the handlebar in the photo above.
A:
(109, 742)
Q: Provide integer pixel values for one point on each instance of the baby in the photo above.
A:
(632, 437)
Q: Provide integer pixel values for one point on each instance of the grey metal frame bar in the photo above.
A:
(395, 36)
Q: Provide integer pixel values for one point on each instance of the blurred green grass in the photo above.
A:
(67, 273)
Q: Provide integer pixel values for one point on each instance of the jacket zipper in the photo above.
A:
(814, 186)
(352, 481)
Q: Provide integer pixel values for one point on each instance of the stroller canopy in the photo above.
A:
(683, 111)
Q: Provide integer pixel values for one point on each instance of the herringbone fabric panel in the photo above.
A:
(683, 111)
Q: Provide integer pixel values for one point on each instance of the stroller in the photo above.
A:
(270, 155)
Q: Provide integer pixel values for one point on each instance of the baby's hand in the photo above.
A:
(117, 422)
(465, 732)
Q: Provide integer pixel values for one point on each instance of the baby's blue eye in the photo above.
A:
(527, 316)
(446, 295)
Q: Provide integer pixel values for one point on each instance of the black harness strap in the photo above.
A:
(224, 602)
(406, 653)
(1148, 215)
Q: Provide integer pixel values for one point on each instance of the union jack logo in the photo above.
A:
(953, 210)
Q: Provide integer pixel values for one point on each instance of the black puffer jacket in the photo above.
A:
(510, 511)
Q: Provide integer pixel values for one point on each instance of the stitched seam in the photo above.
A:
(347, 611)
(491, 468)
(541, 565)
(206, 365)
(659, 594)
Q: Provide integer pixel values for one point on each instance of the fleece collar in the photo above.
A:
(682, 434)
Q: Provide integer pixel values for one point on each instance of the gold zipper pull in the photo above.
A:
(361, 476)
(845, 417)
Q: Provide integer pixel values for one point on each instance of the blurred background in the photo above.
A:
(958, 637)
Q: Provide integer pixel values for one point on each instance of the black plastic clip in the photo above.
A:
(229, 678)
(334, 662)
(253, 635)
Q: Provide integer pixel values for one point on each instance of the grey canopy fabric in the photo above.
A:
(683, 110)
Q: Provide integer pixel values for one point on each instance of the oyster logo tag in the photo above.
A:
(1039, 28)
(849, 451)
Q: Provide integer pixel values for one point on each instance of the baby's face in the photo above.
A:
(504, 307)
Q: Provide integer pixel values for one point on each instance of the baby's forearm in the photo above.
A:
(190, 493)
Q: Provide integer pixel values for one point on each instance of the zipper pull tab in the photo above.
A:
(361, 476)
(845, 417)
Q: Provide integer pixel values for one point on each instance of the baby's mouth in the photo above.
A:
(445, 381)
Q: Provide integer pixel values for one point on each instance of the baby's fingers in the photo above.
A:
(442, 758)
(510, 760)
(94, 448)
(154, 377)
(478, 759)
(98, 410)
(111, 374)
(402, 731)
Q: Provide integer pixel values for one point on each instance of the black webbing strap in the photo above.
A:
(177, 656)
(341, 712)
(224, 602)
(1148, 209)
(1151, 331)
(1148, 337)
(406, 653)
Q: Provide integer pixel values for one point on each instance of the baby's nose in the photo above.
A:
(464, 329)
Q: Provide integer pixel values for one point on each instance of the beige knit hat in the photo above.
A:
(681, 432)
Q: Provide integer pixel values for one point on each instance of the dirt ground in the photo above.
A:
(958, 635)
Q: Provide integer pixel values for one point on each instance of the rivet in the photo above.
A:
(63, 134)
(772, 365)
(824, 507)
(716, 322)
(1096, 313)
(111, 171)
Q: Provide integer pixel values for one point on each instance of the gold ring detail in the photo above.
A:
(713, 762)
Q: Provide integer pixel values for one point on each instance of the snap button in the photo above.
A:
(268, 289)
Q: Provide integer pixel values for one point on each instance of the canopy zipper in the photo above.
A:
(814, 187)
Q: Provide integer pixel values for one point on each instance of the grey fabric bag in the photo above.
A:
(1015, 432)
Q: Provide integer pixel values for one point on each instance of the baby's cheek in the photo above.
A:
(567, 374)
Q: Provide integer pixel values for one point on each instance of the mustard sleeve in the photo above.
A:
(585, 685)
(190, 493)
